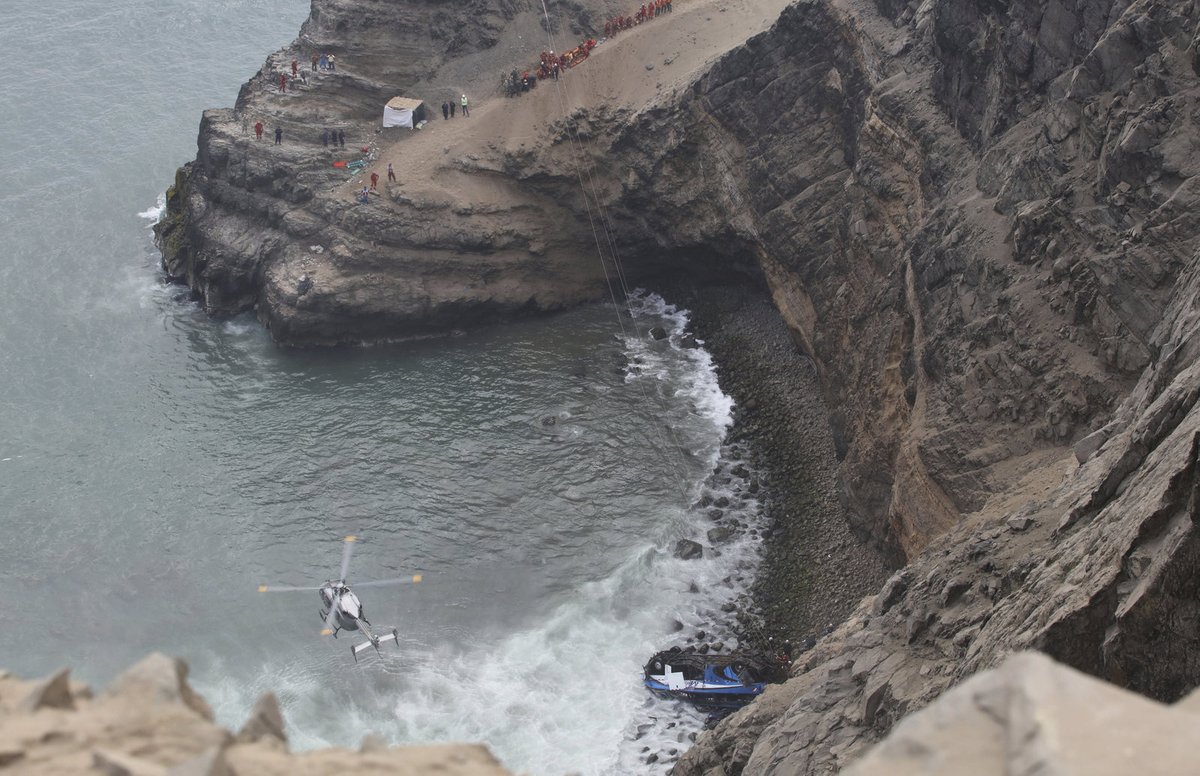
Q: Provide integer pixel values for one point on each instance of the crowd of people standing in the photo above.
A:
(647, 12)
(551, 65)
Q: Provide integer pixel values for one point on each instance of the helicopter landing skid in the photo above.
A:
(375, 642)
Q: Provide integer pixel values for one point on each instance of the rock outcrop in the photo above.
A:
(981, 220)
(1033, 716)
(150, 722)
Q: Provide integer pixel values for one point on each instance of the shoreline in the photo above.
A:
(814, 571)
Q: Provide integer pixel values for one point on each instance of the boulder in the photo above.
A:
(159, 679)
(658, 333)
(372, 742)
(1019, 523)
(51, 693)
(211, 763)
(118, 764)
(265, 721)
(720, 534)
(1033, 715)
(686, 549)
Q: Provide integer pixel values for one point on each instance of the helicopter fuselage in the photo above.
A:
(347, 608)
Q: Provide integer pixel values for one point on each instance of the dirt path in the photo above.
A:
(678, 47)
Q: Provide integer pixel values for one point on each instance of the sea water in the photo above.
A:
(157, 465)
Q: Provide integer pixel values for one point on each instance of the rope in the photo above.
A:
(605, 226)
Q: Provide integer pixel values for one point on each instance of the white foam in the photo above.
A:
(155, 214)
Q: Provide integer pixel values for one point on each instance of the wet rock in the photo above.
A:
(688, 342)
(686, 549)
(658, 333)
(372, 742)
(720, 534)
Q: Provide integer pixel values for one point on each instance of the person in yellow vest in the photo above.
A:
(466, 110)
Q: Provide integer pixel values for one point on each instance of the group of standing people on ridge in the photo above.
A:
(550, 65)
(647, 12)
(258, 133)
(335, 136)
(448, 107)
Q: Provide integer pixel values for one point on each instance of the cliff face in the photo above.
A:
(979, 219)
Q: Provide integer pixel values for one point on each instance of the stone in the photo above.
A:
(211, 763)
(720, 534)
(1032, 715)
(1088, 446)
(658, 333)
(265, 721)
(372, 742)
(893, 591)
(686, 549)
(1019, 523)
(159, 679)
(10, 755)
(53, 692)
(117, 764)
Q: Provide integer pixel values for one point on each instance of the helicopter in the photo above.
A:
(341, 609)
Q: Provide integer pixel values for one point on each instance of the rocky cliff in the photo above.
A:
(1032, 716)
(979, 219)
(149, 722)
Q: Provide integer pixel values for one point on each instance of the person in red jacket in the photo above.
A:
(295, 68)
(374, 180)
(258, 128)
(282, 82)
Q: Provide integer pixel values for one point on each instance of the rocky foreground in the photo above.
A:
(980, 220)
(1028, 716)
(149, 722)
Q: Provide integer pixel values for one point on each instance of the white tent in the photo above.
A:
(403, 112)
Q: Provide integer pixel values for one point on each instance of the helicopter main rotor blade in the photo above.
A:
(282, 588)
(397, 581)
(347, 548)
